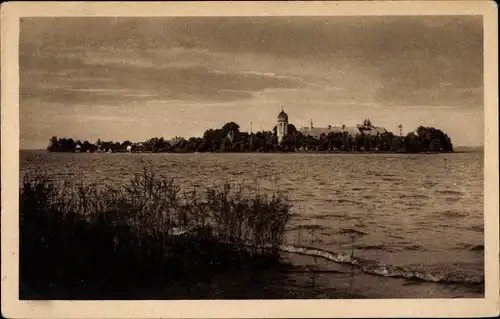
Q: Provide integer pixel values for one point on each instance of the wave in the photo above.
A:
(415, 247)
(429, 184)
(381, 174)
(444, 214)
(350, 231)
(476, 228)
(393, 179)
(476, 248)
(377, 247)
(395, 236)
(347, 201)
(307, 227)
(329, 216)
(413, 196)
(372, 268)
(471, 247)
(452, 214)
(449, 192)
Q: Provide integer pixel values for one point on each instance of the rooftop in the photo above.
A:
(282, 117)
(351, 130)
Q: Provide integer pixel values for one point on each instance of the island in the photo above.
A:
(284, 137)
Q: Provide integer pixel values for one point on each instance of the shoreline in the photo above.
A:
(299, 277)
(256, 152)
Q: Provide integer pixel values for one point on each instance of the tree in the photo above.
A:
(397, 144)
(231, 126)
(446, 144)
(434, 140)
(435, 145)
(386, 141)
(413, 143)
(53, 144)
(153, 144)
(66, 145)
(359, 142)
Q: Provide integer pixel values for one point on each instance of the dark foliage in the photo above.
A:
(229, 139)
(83, 242)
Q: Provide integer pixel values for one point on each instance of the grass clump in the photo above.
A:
(81, 241)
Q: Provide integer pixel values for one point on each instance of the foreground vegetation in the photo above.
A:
(230, 139)
(84, 242)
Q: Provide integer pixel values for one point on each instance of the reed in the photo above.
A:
(80, 241)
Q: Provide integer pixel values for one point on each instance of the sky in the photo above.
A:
(135, 78)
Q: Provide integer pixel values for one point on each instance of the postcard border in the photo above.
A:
(11, 12)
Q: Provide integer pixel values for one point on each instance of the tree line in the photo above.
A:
(228, 138)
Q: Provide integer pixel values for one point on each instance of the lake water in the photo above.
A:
(412, 225)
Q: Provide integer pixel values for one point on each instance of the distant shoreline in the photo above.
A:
(284, 138)
(459, 151)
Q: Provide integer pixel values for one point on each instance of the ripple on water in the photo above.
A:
(470, 247)
(450, 214)
(415, 247)
(331, 189)
(311, 227)
(351, 231)
(328, 216)
(347, 201)
(381, 247)
(476, 228)
(414, 196)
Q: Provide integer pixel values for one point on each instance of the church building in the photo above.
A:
(366, 129)
(282, 126)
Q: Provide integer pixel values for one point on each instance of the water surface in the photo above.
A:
(412, 225)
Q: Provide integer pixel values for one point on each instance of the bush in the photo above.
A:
(106, 241)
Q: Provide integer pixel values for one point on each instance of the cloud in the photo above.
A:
(125, 75)
(244, 67)
(402, 54)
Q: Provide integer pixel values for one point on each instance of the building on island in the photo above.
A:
(233, 136)
(368, 129)
(361, 129)
(282, 126)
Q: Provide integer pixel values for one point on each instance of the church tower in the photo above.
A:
(282, 126)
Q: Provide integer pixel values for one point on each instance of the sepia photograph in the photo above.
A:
(205, 157)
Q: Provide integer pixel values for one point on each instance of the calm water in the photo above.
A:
(412, 224)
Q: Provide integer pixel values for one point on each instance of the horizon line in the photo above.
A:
(455, 146)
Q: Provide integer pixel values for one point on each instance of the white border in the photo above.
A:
(13, 308)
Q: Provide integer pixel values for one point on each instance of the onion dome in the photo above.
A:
(282, 117)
